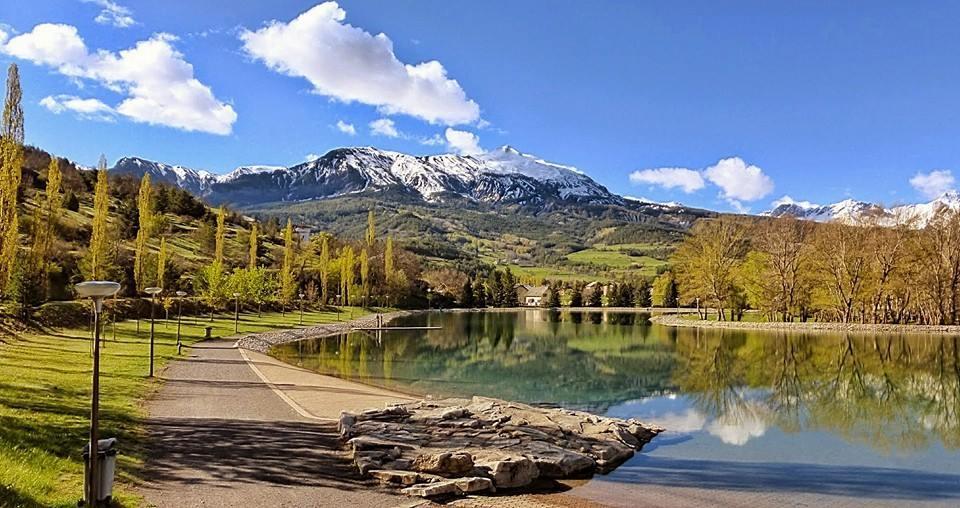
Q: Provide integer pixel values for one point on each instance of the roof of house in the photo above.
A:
(537, 291)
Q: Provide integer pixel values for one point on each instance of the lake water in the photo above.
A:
(862, 416)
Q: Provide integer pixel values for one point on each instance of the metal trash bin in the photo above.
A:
(106, 464)
(208, 332)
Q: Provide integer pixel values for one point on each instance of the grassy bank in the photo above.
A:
(45, 399)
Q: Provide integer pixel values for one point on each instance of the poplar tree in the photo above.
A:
(96, 265)
(11, 162)
(287, 287)
(365, 272)
(221, 234)
(46, 224)
(346, 272)
(324, 267)
(162, 261)
(371, 229)
(145, 212)
(388, 266)
(253, 247)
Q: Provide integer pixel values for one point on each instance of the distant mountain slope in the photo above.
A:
(504, 175)
(850, 210)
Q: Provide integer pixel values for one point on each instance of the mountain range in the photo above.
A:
(850, 210)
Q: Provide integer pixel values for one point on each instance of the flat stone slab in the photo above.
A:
(453, 447)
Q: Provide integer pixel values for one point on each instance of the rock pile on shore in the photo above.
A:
(460, 446)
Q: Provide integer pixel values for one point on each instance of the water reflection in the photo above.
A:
(889, 393)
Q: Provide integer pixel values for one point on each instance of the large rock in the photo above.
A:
(484, 444)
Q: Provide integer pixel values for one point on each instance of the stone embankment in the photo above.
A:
(809, 326)
(453, 447)
(262, 342)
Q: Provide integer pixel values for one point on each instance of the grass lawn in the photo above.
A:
(45, 400)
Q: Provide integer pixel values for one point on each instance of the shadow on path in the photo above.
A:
(216, 451)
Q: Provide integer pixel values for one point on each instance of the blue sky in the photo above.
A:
(724, 105)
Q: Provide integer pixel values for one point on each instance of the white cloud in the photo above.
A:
(787, 200)
(739, 181)
(463, 142)
(113, 14)
(350, 64)
(311, 157)
(740, 425)
(93, 109)
(435, 140)
(159, 84)
(384, 127)
(934, 183)
(346, 128)
(687, 180)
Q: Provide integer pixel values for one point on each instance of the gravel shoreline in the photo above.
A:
(263, 341)
(672, 320)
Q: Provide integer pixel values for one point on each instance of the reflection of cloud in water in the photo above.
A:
(738, 426)
(690, 420)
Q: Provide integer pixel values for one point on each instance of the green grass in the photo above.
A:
(45, 400)
(552, 273)
(617, 257)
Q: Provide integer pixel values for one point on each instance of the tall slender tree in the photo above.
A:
(221, 234)
(287, 283)
(162, 261)
(347, 262)
(371, 235)
(46, 224)
(365, 272)
(254, 245)
(11, 163)
(141, 251)
(97, 264)
(324, 267)
(388, 261)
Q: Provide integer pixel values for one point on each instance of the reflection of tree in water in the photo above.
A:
(889, 392)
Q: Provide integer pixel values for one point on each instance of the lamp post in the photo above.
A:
(429, 298)
(180, 295)
(301, 308)
(338, 307)
(153, 292)
(236, 313)
(97, 291)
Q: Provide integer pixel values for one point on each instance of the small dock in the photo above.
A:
(396, 328)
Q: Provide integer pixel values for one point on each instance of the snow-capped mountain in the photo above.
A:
(850, 210)
(504, 176)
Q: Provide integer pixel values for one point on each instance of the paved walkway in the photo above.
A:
(220, 436)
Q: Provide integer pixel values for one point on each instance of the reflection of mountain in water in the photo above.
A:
(890, 392)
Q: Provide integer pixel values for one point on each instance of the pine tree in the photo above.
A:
(162, 261)
(145, 213)
(287, 285)
(479, 293)
(97, 264)
(371, 230)
(221, 234)
(11, 163)
(324, 267)
(252, 264)
(466, 295)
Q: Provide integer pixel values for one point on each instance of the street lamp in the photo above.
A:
(153, 292)
(301, 308)
(338, 307)
(429, 298)
(236, 313)
(96, 290)
(180, 295)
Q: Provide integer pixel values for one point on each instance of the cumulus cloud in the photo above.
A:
(787, 200)
(159, 84)
(346, 128)
(463, 142)
(435, 140)
(347, 63)
(687, 180)
(934, 183)
(384, 127)
(93, 109)
(113, 14)
(739, 181)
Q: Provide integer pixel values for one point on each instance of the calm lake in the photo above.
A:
(872, 417)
